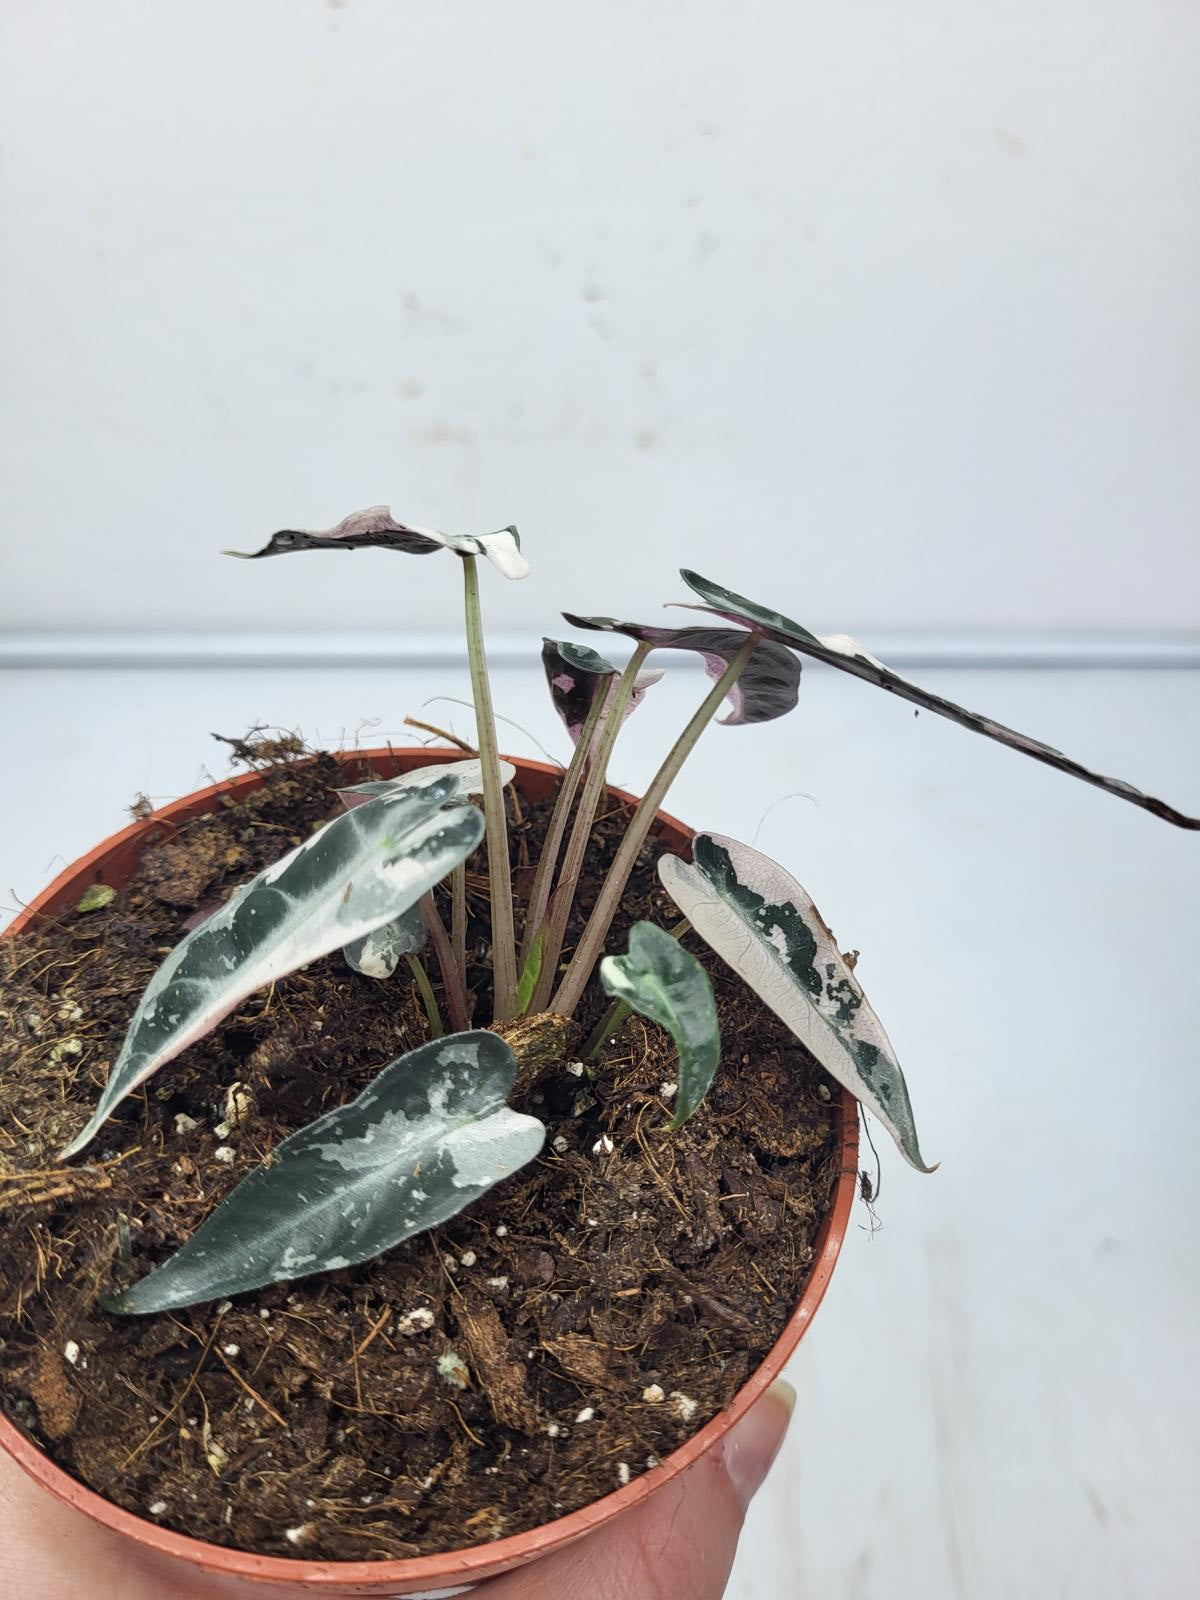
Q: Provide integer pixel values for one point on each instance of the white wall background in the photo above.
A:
(888, 310)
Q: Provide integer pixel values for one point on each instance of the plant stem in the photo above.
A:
(592, 939)
(540, 894)
(620, 1009)
(581, 830)
(452, 980)
(504, 957)
(436, 1029)
(458, 921)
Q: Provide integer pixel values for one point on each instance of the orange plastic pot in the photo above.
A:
(457, 1571)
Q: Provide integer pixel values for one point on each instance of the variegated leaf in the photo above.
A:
(466, 776)
(377, 954)
(661, 980)
(768, 687)
(376, 527)
(839, 650)
(762, 923)
(578, 676)
(430, 1135)
(357, 872)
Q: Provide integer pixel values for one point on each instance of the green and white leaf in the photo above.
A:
(376, 528)
(759, 920)
(377, 954)
(661, 980)
(466, 776)
(428, 1137)
(839, 650)
(357, 872)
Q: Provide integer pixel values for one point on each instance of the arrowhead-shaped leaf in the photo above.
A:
(578, 676)
(663, 981)
(466, 777)
(770, 682)
(429, 1136)
(759, 920)
(839, 650)
(377, 954)
(356, 873)
(375, 527)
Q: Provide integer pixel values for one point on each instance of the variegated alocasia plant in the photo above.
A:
(432, 1133)
(434, 1130)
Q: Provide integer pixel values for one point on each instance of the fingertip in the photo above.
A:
(751, 1447)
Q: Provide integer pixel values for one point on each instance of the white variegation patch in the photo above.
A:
(764, 925)
(430, 1135)
(466, 777)
(377, 954)
(354, 874)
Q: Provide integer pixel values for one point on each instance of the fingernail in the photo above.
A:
(752, 1446)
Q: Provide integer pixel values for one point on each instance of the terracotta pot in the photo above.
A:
(455, 1572)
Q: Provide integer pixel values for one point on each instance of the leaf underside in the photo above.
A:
(430, 1135)
(838, 650)
(768, 687)
(661, 980)
(376, 528)
(357, 872)
(761, 922)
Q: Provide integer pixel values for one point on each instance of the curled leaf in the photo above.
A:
(430, 1135)
(377, 954)
(376, 528)
(762, 923)
(839, 650)
(577, 676)
(770, 682)
(531, 972)
(661, 980)
(357, 872)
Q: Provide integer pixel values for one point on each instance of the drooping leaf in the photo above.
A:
(770, 682)
(357, 872)
(759, 920)
(578, 676)
(531, 971)
(465, 775)
(375, 527)
(377, 954)
(839, 650)
(430, 1135)
(663, 981)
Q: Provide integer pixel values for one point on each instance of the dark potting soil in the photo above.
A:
(311, 1418)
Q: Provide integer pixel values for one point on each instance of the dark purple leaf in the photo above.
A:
(838, 650)
(577, 675)
(770, 682)
(376, 527)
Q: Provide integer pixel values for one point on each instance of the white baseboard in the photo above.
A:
(900, 648)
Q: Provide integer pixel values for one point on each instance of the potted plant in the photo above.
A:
(457, 1175)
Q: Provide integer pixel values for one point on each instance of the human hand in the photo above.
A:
(681, 1542)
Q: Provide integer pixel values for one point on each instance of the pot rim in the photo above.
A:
(476, 1562)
